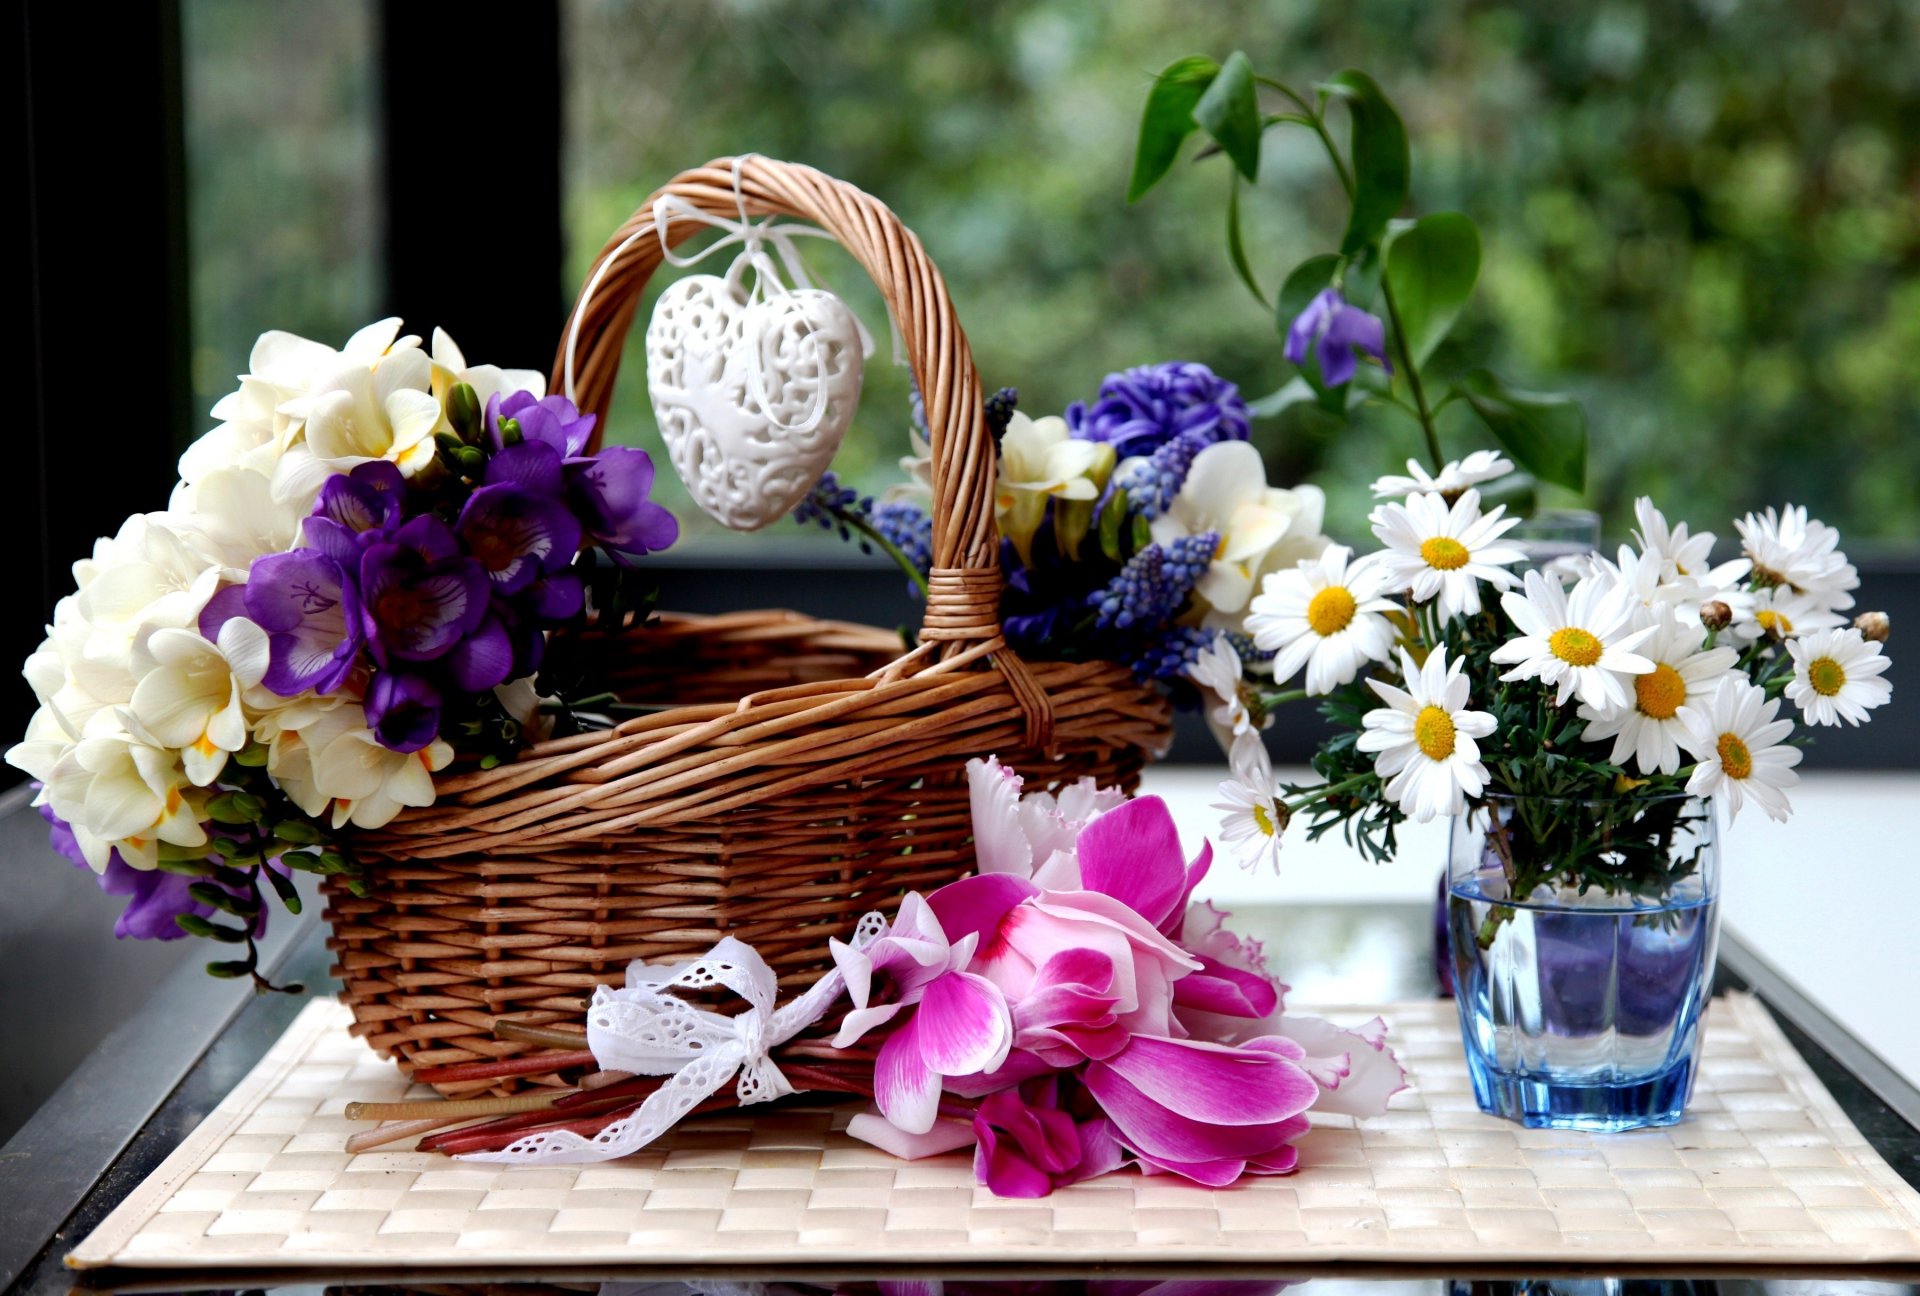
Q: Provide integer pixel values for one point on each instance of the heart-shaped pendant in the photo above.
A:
(753, 393)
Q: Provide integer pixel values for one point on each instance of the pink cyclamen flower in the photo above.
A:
(960, 1025)
(1028, 1144)
(1207, 1112)
(1032, 836)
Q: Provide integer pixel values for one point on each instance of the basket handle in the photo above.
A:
(962, 617)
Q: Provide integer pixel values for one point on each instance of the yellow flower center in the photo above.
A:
(1575, 646)
(1444, 553)
(1263, 819)
(1660, 692)
(1735, 759)
(1774, 623)
(1330, 611)
(1433, 733)
(1826, 675)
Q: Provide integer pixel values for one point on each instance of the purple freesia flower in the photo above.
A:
(549, 420)
(370, 498)
(403, 710)
(307, 604)
(517, 535)
(420, 595)
(609, 493)
(1337, 330)
(1029, 1144)
(1142, 409)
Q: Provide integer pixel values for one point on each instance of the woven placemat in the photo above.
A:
(1766, 1170)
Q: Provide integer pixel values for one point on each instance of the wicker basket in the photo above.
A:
(802, 773)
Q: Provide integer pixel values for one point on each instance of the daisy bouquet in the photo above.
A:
(351, 588)
(1065, 1012)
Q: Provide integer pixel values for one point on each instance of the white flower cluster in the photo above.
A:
(139, 711)
(1661, 651)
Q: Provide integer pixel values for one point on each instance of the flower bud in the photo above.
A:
(471, 460)
(510, 432)
(463, 411)
(1873, 626)
(1715, 615)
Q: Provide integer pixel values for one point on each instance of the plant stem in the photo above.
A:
(1325, 791)
(1319, 127)
(887, 547)
(1270, 700)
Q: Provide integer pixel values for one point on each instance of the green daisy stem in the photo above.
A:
(1328, 790)
(1268, 701)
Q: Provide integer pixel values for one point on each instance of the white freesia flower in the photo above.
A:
(1803, 554)
(1836, 676)
(1425, 737)
(917, 468)
(1479, 467)
(369, 784)
(1226, 494)
(362, 415)
(123, 793)
(1252, 817)
(149, 574)
(1443, 552)
(1684, 673)
(235, 519)
(1580, 644)
(1217, 670)
(450, 367)
(1326, 615)
(1780, 612)
(189, 697)
(1041, 461)
(1736, 741)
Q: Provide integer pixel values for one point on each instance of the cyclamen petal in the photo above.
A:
(962, 1025)
(1372, 1073)
(906, 1089)
(1230, 991)
(1133, 854)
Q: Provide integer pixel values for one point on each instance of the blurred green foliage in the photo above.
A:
(1702, 217)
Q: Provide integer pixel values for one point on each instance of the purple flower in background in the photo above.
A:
(308, 606)
(403, 710)
(155, 898)
(419, 593)
(1337, 330)
(517, 535)
(609, 494)
(1144, 408)
(551, 420)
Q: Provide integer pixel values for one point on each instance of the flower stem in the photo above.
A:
(906, 564)
(1329, 790)
(1319, 127)
(1270, 700)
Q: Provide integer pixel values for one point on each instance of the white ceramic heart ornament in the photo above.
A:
(753, 389)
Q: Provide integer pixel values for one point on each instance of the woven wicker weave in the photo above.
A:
(799, 773)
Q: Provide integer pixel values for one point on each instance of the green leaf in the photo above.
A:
(1381, 164)
(1230, 111)
(1545, 433)
(1307, 281)
(1296, 392)
(1432, 265)
(1168, 120)
(1236, 249)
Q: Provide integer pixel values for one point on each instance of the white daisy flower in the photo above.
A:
(1688, 576)
(1325, 615)
(1780, 613)
(1803, 554)
(1683, 673)
(1425, 738)
(1252, 817)
(1478, 467)
(1836, 676)
(1736, 739)
(1580, 643)
(1434, 550)
(1217, 670)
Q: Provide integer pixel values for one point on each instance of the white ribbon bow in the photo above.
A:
(647, 1030)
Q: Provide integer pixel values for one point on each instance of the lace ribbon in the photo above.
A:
(647, 1029)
